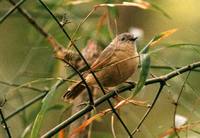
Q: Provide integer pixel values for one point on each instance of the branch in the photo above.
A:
(176, 104)
(11, 10)
(162, 84)
(169, 68)
(17, 85)
(34, 100)
(5, 124)
(25, 106)
(120, 90)
(30, 19)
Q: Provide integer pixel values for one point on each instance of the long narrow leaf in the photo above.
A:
(145, 58)
(145, 66)
(45, 106)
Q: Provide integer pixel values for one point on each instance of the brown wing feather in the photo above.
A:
(103, 58)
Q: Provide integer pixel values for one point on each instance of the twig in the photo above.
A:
(162, 84)
(112, 126)
(30, 19)
(176, 104)
(98, 82)
(34, 100)
(168, 68)
(88, 89)
(174, 73)
(39, 97)
(5, 124)
(17, 85)
(11, 10)
(113, 93)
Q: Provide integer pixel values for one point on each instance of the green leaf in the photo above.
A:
(56, 107)
(145, 65)
(45, 107)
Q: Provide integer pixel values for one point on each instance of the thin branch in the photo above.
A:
(169, 68)
(81, 76)
(17, 85)
(88, 66)
(34, 100)
(30, 19)
(11, 10)
(162, 84)
(5, 124)
(174, 73)
(176, 104)
(113, 93)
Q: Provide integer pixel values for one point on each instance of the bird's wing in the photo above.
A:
(104, 58)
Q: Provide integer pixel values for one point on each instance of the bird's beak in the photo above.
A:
(133, 39)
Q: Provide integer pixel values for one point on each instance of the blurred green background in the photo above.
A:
(26, 56)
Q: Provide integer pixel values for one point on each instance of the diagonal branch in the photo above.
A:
(5, 124)
(120, 90)
(30, 19)
(17, 85)
(11, 10)
(162, 84)
(32, 101)
(176, 104)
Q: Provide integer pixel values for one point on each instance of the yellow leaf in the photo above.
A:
(162, 36)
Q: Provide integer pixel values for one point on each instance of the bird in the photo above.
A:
(116, 63)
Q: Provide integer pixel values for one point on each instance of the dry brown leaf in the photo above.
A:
(143, 5)
(101, 22)
(76, 2)
(162, 36)
(61, 134)
(86, 123)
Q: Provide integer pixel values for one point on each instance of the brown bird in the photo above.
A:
(117, 62)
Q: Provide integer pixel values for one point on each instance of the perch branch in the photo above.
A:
(102, 99)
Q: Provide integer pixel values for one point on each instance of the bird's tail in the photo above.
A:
(73, 91)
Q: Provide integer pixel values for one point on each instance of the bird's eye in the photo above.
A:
(123, 38)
